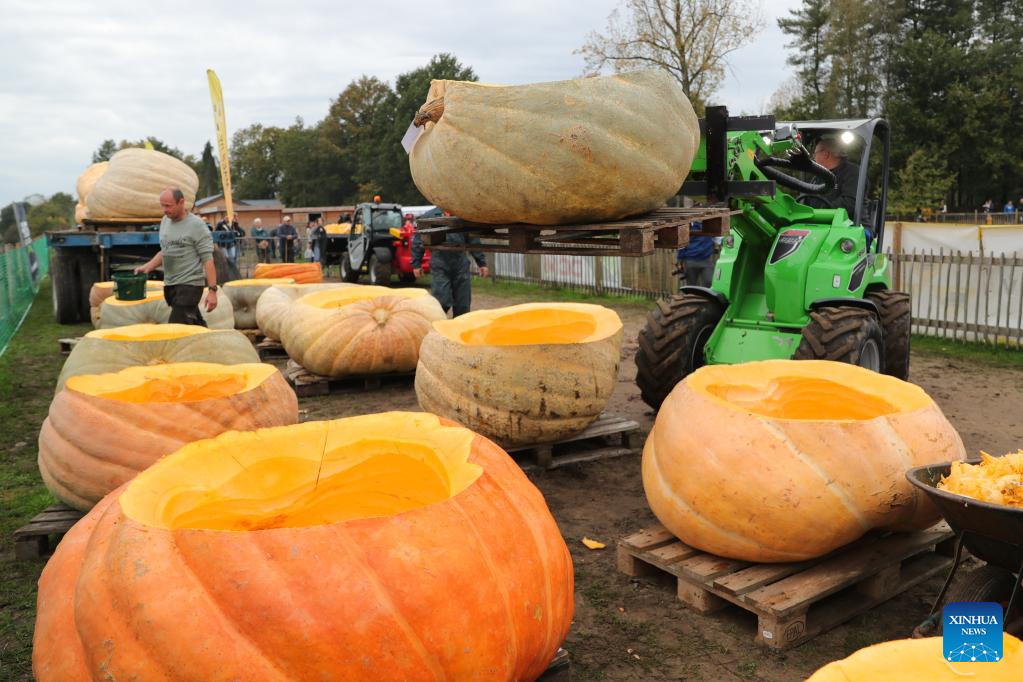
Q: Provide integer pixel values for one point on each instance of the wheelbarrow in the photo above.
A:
(991, 532)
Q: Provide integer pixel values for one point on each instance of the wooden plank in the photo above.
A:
(758, 575)
(669, 554)
(649, 538)
(797, 591)
(706, 567)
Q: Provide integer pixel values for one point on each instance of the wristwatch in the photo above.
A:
(211, 287)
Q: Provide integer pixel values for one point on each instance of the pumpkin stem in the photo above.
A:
(431, 111)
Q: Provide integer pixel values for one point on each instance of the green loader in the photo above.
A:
(798, 276)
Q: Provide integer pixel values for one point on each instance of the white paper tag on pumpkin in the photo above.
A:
(411, 135)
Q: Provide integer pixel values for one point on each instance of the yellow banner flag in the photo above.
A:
(149, 145)
(217, 97)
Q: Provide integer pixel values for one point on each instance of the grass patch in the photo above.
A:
(554, 293)
(28, 373)
(973, 352)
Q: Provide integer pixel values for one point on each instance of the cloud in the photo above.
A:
(76, 73)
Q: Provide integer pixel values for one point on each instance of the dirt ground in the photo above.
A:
(628, 629)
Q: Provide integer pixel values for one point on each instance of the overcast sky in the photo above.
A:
(74, 73)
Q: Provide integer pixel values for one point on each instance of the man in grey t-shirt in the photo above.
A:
(186, 254)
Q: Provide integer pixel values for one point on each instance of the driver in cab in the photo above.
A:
(830, 153)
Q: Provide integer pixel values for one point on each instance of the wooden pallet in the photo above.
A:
(586, 446)
(32, 541)
(270, 349)
(663, 228)
(66, 345)
(793, 602)
(560, 669)
(307, 384)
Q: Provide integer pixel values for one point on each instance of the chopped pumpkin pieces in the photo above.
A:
(593, 544)
(995, 479)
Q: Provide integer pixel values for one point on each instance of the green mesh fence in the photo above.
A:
(16, 289)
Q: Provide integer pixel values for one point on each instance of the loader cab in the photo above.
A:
(864, 144)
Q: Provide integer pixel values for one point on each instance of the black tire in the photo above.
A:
(896, 322)
(406, 277)
(88, 274)
(851, 335)
(985, 583)
(66, 294)
(348, 273)
(379, 272)
(671, 343)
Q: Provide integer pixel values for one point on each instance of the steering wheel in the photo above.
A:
(815, 201)
(799, 159)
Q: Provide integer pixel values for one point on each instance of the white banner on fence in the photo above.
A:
(512, 265)
(567, 269)
(950, 238)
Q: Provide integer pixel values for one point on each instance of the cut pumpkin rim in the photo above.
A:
(807, 390)
(532, 324)
(178, 382)
(151, 295)
(310, 474)
(149, 332)
(344, 296)
(259, 281)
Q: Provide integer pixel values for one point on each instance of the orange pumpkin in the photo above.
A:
(102, 429)
(302, 273)
(392, 546)
(786, 460)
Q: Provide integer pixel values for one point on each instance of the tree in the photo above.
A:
(209, 173)
(313, 172)
(806, 28)
(255, 170)
(56, 213)
(690, 39)
(106, 149)
(358, 124)
(922, 183)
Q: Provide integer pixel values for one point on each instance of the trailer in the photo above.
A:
(92, 253)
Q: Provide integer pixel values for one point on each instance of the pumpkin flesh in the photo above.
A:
(315, 555)
(788, 460)
(274, 304)
(524, 374)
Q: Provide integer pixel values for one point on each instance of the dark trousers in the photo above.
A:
(452, 287)
(263, 254)
(184, 302)
(288, 251)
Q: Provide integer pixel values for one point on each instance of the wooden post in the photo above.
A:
(897, 252)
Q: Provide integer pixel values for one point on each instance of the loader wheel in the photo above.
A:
(379, 272)
(896, 319)
(671, 344)
(348, 273)
(66, 291)
(851, 335)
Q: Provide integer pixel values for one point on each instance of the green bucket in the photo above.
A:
(129, 287)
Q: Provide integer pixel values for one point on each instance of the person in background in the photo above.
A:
(307, 237)
(986, 206)
(830, 153)
(451, 281)
(288, 236)
(227, 241)
(318, 232)
(273, 243)
(262, 239)
(695, 262)
(239, 236)
(1009, 209)
(186, 255)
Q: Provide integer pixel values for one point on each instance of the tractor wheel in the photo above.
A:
(896, 319)
(671, 344)
(66, 292)
(88, 274)
(851, 335)
(348, 273)
(379, 272)
(985, 583)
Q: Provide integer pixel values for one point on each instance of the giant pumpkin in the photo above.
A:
(153, 309)
(101, 291)
(86, 181)
(102, 351)
(274, 304)
(553, 153)
(131, 185)
(244, 294)
(302, 273)
(392, 546)
(359, 330)
(922, 659)
(524, 374)
(786, 460)
(102, 429)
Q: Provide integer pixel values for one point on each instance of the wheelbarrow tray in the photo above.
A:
(992, 532)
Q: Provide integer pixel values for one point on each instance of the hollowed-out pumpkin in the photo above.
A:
(553, 153)
(153, 309)
(102, 429)
(244, 294)
(302, 273)
(359, 330)
(393, 546)
(101, 291)
(110, 350)
(921, 659)
(787, 460)
(524, 374)
(131, 185)
(274, 304)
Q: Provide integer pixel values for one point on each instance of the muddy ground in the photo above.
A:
(628, 629)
